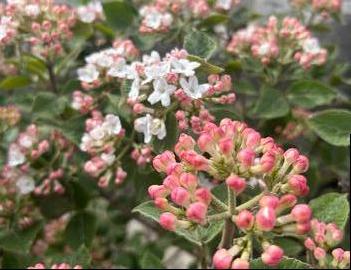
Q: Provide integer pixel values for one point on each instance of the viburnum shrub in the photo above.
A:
(235, 124)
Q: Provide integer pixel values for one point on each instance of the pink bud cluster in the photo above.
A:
(82, 102)
(102, 137)
(324, 7)
(285, 42)
(160, 15)
(55, 266)
(49, 24)
(323, 238)
(8, 29)
(142, 155)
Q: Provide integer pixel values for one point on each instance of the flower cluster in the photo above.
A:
(160, 15)
(238, 156)
(324, 7)
(103, 135)
(8, 29)
(91, 12)
(142, 155)
(9, 116)
(284, 42)
(47, 25)
(323, 238)
(55, 266)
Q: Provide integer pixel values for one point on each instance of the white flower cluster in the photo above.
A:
(7, 29)
(90, 12)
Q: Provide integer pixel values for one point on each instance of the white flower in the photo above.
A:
(184, 66)
(134, 89)
(224, 4)
(150, 126)
(32, 10)
(86, 14)
(104, 60)
(192, 87)
(156, 71)
(25, 184)
(153, 19)
(153, 58)
(25, 140)
(108, 158)
(98, 133)
(311, 45)
(112, 124)
(264, 49)
(88, 74)
(162, 92)
(119, 69)
(15, 156)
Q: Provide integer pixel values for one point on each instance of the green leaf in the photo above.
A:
(150, 261)
(199, 44)
(81, 256)
(172, 134)
(19, 241)
(333, 126)
(82, 30)
(224, 111)
(205, 66)
(119, 14)
(331, 207)
(73, 129)
(245, 87)
(286, 263)
(81, 229)
(271, 104)
(309, 94)
(14, 82)
(290, 246)
(47, 105)
(197, 236)
(214, 19)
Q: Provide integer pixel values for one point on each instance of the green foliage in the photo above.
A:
(199, 44)
(14, 82)
(286, 263)
(119, 14)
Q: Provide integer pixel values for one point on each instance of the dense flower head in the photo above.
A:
(323, 239)
(90, 12)
(232, 153)
(285, 41)
(48, 25)
(161, 15)
(323, 7)
(55, 266)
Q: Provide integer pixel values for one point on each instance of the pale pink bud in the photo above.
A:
(267, 162)
(246, 157)
(138, 108)
(156, 191)
(301, 164)
(298, 185)
(236, 183)
(245, 220)
(303, 228)
(195, 160)
(222, 259)
(291, 155)
(269, 201)
(272, 255)
(188, 180)
(286, 201)
(185, 142)
(252, 138)
(197, 212)
(301, 213)
(162, 161)
(309, 244)
(161, 203)
(338, 254)
(240, 264)
(205, 142)
(180, 196)
(171, 182)
(265, 219)
(319, 253)
(203, 195)
(168, 221)
(226, 145)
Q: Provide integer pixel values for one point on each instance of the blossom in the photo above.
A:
(192, 87)
(89, 13)
(184, 66)
(150, 126)
(162, 92)
(88, 74)
(25, 184)
(15, 156)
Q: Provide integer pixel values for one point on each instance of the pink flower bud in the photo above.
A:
(138, 108)
(185, 142)
(269, 201)
(171, 182)
(303, 228)
(197, 212)
(246, 157)
(309, 244)
(252, 137)
(301, 164)
(298, 185)
(168, 221)
(157, 191)
(162, 161)
(188, 181)
(338, 254)
(226, 145)
(222, 259)
(301, 213)
(291, 155)
(203, 195)
(265, 219)
(180, 196)
(319, 253)
(286, 201)
(161, 203)
(272, 255)
(205, 142)
(240, 264)
(245, 220)
(236, 183)
(198, 162)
